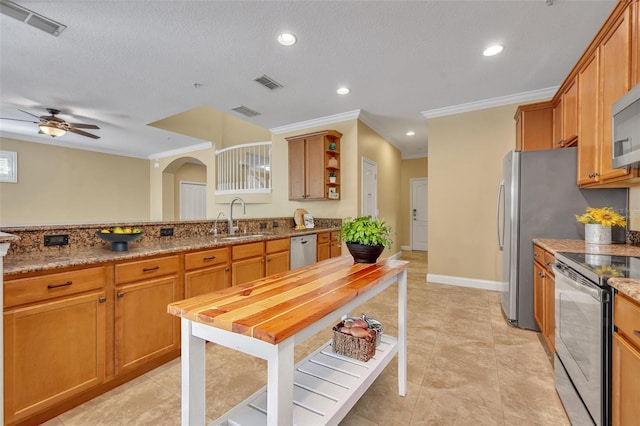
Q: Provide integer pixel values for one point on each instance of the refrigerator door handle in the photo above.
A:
(498, 202)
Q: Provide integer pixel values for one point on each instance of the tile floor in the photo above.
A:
(466, 367)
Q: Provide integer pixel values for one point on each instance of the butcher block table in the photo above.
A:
(267, 318)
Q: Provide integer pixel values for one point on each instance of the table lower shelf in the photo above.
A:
(326, 387)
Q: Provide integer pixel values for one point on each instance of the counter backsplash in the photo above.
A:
(32, 237)
(633, 237)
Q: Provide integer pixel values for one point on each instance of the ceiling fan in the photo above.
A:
(55, 126)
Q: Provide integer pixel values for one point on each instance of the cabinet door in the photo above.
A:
(144, 331)
(315, 172)
(206, 280)
(615, 67)
(550, 310)
(587, 122)
(538, 295)
(52, 351)
(296, 169)
(323, 252)
(625, 397)
(276, 263)
(557, 125)
(336, 244)
(570, 114)
(246, 270)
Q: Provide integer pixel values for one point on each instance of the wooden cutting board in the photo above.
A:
(298, 217)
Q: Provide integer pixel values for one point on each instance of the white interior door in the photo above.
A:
(419, 190)
(193, 200)
(369, 188)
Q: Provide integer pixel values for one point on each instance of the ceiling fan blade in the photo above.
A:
(83, 126)
(80, 132)
(17, 119)
(27, 112)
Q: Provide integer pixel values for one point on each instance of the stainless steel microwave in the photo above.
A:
(626, 130)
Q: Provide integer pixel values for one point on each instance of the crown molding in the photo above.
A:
(533, 95)
(330, 119)
(414, 156)
(178, 151)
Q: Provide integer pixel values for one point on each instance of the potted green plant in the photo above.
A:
(332, 177)
(365, 237)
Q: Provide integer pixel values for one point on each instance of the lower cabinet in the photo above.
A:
(206, 271)
(143, 330)
(54, 340)
(336, 244)
(544, 287)
(625, 386)
(323, 248)
(277, 256)
(247, 262)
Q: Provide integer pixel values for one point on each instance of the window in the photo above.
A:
(8, 166)
(244, 169)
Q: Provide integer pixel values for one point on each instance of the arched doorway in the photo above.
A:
(187, 170)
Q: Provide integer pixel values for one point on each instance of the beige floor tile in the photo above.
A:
(466, 366)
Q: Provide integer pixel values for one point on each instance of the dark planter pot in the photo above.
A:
(364, 254)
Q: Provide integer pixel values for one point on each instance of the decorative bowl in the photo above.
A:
(119, 242)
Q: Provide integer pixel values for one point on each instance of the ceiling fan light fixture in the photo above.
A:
(287, 39)
(492, 50)
(52, 130)
(343, 91)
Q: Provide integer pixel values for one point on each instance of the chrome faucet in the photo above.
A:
(232, 230)
(214, 231)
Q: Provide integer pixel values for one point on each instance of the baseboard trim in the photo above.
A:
(407, 248)
(466, 282)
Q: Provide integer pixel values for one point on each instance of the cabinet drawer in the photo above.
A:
(626, 316)
(274, 246)
(204, 258)
(49, 286)
(324, 237)
(538, 254)
(244, 251)
(335, 235)
(143, 269)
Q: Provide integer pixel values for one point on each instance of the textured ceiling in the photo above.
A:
(125, 64)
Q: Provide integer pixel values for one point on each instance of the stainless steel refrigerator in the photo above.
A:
(538, 198)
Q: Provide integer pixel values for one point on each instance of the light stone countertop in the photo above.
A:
(8, 238)
(15, 264)
(627, 286)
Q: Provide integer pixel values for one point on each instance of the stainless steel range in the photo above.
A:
(584, 325)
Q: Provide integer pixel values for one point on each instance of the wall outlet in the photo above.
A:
(56, 240)
(275, 224)
(166, 232)
(263, 225)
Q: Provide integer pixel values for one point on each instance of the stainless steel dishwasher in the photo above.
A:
(302, 251)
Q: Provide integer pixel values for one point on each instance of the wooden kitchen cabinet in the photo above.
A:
(143, 330)
(625, 389)
(312, 158)
(247, 262)
(605, 77)
(534, 126)
(544, 294)
(206, 271)
(54, 328)
(566, 119)
(635, 38)
(277, 256)
(336, 244)
(323, 249)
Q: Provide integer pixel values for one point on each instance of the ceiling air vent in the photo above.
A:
(31, 18)
(246, 111)
(268, 82)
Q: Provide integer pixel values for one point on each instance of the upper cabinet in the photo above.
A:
(534, 126)
(314, 166)
(635, 37)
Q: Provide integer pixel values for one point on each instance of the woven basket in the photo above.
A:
(354, 347)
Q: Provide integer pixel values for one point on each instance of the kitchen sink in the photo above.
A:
(241, 237)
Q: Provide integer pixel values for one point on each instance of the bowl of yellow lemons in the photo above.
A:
(119, 237)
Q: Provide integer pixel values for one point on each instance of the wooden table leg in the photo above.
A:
(280, 367)
(193, 377)
(402, 333)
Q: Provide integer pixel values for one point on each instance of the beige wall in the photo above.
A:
(409, 169)
(465, 168)
(59, 185)
(387, 157)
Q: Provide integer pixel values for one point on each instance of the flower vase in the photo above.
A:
(597, 234)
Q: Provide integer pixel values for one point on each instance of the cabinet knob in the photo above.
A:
(120, 295)
(540, 274)
(102, 299)
(226, 269)
(636, 332)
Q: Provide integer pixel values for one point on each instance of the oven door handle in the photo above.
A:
(567, 276)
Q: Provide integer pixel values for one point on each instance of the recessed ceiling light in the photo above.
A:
(343, 91)
(287, 39)
(411, 133)
(492, 50)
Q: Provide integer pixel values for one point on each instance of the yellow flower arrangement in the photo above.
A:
(604, 216)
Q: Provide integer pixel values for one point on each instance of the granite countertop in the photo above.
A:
(42, 261)
(627, 286)
(7, 238)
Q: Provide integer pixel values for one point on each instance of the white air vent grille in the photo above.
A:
(268, 82)
(31, 18)
(246, 111)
